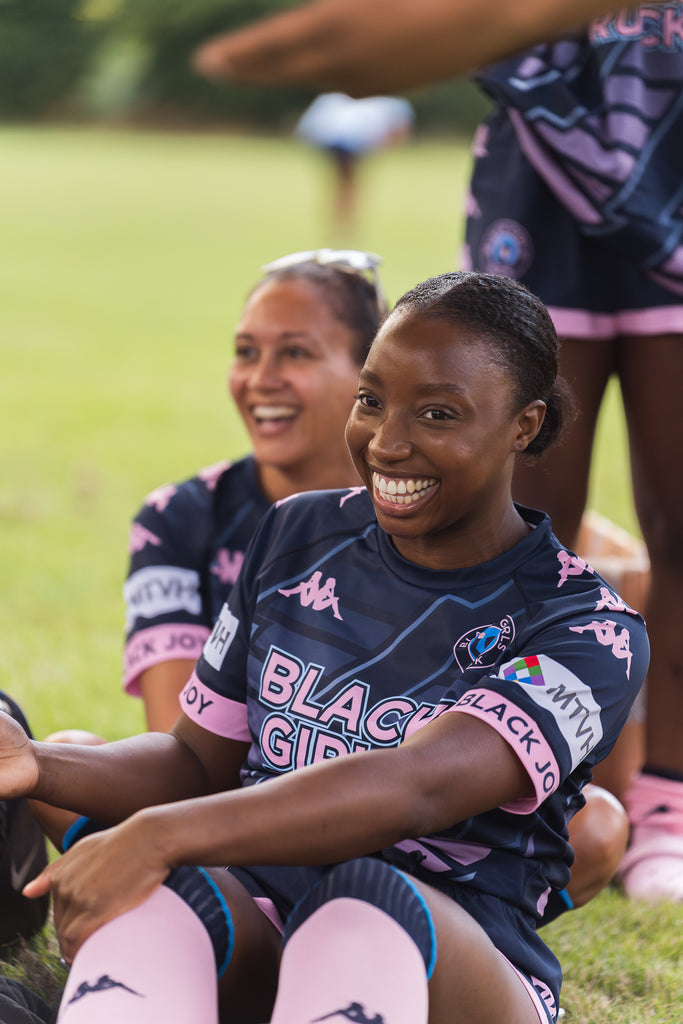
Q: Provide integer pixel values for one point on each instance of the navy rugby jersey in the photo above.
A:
(186, 549)
(331, 642)
(600, 117)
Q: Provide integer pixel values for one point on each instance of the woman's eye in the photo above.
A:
(369, 401)
(438, 414)
(296, 352)
(245, 353)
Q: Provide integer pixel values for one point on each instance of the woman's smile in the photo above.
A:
(402, 491)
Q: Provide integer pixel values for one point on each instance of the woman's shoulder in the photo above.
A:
(311, 517)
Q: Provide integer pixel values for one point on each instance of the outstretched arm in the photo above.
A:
(112, 781)
(335, 810)
(388, 45)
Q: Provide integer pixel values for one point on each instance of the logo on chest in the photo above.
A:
(481, 646)
(316, 594)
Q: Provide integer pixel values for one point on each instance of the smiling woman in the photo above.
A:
(436, 428)
(475, 669)
(301, 339)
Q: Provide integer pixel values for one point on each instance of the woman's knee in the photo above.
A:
(599, 835)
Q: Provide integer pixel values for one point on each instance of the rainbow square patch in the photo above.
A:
(525, 670)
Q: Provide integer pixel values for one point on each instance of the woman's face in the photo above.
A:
(293, 379)
(433, 434)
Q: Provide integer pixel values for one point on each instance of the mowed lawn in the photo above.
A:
(124, 261)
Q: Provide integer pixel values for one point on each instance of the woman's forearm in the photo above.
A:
(348, 806)
(388, 45)
(112, 781)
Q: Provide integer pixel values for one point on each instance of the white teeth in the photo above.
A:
(273, 412)
(401, 491)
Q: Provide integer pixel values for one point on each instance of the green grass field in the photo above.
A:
(124, 263)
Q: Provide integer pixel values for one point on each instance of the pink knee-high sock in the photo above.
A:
(154, 964)
(351, 961)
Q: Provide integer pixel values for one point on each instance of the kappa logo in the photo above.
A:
(227, 565)
(312, 594)
(570, 565)
(354, 1012)
(140, 537)
(102, 984)
(352, 492)
(482, 645)
(607, 635)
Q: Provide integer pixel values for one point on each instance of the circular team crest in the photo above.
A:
(482, 645)
(506, 249)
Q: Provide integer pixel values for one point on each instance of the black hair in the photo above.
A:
(514, 322)
(351, 297)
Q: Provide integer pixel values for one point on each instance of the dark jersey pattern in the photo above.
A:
(186, 547)
(600, 117)
(331, 643)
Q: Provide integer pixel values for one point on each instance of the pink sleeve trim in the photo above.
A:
(215, 713)
(153, 646)
(528, 742)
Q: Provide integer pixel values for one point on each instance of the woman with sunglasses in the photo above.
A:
(301, 339)
(475, 669)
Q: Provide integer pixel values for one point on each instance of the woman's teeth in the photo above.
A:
(273, 412)
(403, 491)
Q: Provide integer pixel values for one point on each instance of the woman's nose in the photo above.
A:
(390, 441)
(265, 372)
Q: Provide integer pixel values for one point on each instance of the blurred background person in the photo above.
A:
(346, 130)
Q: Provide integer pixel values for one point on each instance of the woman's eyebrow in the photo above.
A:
(426, 388)
(285, 335)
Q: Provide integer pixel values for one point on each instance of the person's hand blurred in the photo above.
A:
(386, 46)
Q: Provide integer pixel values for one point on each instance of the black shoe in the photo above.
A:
(23, 855)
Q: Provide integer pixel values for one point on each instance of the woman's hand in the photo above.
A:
(18, 763)
(101, 877)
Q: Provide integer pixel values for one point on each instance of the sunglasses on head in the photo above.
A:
(350, 261)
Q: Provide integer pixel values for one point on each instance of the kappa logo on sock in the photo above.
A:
(102, 984)
(354, 1012)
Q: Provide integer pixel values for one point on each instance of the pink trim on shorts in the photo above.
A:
(169, 642)
(268, 908)
(521, 732)
(539, 1006)
(215, 713)
(578, 323)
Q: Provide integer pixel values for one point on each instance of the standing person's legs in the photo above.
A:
(558, 482)
(651, 371)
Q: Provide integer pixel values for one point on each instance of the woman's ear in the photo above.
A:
(529, 422)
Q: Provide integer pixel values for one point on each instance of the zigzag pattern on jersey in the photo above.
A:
(600, 118)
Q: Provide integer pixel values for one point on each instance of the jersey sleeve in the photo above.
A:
(563, 699)
(166, 618)
(216, 695)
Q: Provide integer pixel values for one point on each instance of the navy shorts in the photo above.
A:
(277, 890)
(517, 227)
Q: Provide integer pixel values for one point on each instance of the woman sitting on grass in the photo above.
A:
(475, 669)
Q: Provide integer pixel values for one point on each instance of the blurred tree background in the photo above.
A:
(129, 60)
